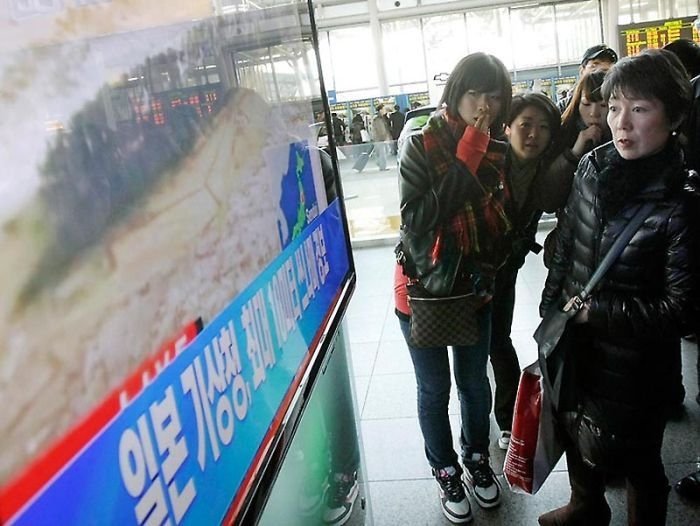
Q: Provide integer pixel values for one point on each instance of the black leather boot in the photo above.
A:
(587, 506)
(646, 508)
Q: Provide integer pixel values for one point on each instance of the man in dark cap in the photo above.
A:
(598, 57)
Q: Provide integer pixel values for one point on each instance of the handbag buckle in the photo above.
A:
(400, 257)
(575, 304)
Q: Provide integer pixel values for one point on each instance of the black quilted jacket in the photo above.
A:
(639, 310)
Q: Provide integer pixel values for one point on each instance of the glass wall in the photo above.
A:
(279, 73)
(354, 65)
(533, 36)
(417, 49)
(578, 27)
(685, 8)
(489, 30)
(404, 59)
(634, 11)
(536, 42)
(445, 42)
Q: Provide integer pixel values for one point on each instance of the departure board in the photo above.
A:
(655, 34)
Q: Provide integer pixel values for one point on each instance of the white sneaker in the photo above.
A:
(504, 440)
(481, 481)
(453, 500)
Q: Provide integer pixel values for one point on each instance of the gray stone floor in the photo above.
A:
(401, 490)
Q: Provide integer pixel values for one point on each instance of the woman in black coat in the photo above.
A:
(625, 339)
(532, 127)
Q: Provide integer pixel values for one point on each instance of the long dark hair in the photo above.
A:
(483, 73)
(589, 86)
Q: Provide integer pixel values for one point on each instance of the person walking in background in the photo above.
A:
(622, 345)
(455, 231)
(397, 119)
(356, 127)
(599, 57)
(584, 127)
(364, 146)
(532, 127)
(338, 129)
(381, 135)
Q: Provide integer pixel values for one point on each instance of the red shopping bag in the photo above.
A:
(534, 447)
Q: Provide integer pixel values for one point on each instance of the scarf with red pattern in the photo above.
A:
(481, 227)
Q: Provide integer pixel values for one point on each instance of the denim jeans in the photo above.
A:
(432, 369)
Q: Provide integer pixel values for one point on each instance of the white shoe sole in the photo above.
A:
(457, 520)
(472, 491)
(453, 519)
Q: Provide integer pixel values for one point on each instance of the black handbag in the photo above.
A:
(550, 330)
(604, 449)
(438, 321)
(598, 448)
(440, 316)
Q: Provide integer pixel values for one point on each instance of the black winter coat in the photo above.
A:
(638, 311)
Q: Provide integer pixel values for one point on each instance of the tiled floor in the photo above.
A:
(401, 489)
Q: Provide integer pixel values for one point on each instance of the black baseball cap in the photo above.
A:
(600, 51)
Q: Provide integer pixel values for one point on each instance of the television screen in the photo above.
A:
(175, 255)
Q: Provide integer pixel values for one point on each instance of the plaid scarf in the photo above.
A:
(481, 227)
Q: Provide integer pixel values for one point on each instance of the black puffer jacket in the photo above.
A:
(638, 311)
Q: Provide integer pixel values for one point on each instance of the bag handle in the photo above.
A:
(576, 302)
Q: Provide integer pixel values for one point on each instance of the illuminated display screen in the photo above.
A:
(656, 34)
(174, 257)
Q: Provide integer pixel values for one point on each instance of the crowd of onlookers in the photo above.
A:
(474, 181)
(618, 155)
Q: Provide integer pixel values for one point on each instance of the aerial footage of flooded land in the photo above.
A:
(131, 204)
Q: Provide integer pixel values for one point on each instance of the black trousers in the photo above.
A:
(504, 359)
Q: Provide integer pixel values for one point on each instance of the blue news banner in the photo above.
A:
(179, 452)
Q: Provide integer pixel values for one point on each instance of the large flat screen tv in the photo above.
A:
(175, 256)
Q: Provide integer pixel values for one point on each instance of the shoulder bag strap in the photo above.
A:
(618, 246)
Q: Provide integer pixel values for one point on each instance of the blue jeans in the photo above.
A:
(432, 368)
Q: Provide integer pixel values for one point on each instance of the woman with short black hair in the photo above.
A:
(623, 344)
